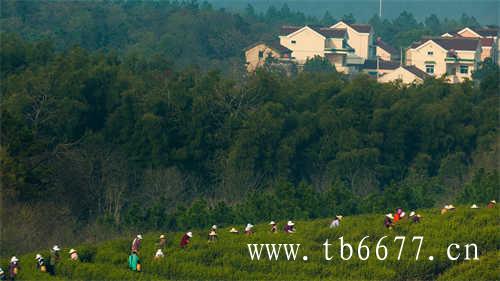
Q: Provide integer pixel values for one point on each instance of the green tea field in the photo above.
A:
(229, 259)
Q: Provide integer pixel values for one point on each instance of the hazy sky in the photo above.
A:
(486, 11)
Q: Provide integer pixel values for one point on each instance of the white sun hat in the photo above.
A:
(272, 223)
(233, 230)
(249, 225)
(1, 271)
(474, 206)
(214, 226)
(14, 259)
(190, 234)
(38, 256)
(162, 236)
(72, 251)
(412, 213)
(451, 207)
(418, 215)
(339, 217)
(139, 236)
(493, 201)
(56, 248)
(389, 216)
(290, 223)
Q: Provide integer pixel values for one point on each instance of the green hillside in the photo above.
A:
(228, 259)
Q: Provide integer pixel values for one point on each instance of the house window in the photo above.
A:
(429, 68)
(430, 53)
(464, 69)
(293, 41)
(261, 54)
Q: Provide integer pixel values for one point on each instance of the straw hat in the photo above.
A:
(493, 201)
(412, 213)
(233, 230)
(72, 251)
(272, 223)
(290, 223)
(162, 236)
(389, 216)
(419, 216)
(214, 226)
(139, 236)
(189, 234)
(38, 256)
(56, 248)
(451, 207)
(339, 217)
(474, 206)
(14, 259)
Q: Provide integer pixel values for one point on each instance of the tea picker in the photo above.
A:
(54, 258)
(274, 227)
(289, 227)
(336, 221)
(186, 238)
(136, 243)
(73, 255)
(40, 263)
(212, 234)
(14, 268)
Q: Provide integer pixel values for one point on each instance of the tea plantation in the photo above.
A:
(228, 258)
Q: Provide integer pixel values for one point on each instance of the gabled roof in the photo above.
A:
(383, 64)
(388, 48)
(415, 70)
(361, 28)
(275, 45)
(450, 43)
(324, 31)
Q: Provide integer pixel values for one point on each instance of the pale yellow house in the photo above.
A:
(309, 41)
(490, 47)
(360, 38)
(257, 54)
(385, 51)
(407, 74)
(454, 57)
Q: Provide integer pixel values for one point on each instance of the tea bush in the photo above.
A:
(228, 259)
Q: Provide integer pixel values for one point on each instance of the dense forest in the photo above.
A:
(116, 117)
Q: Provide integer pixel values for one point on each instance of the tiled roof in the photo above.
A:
(287, 29)
(451, 43)
(362, 28)
(415, 70)
(275, 45)
(331, 32)
(487, 42)
(383, 64)
(325, 31)
(486, 31)
(388, 48)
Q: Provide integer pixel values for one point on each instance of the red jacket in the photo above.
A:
(184, 240)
